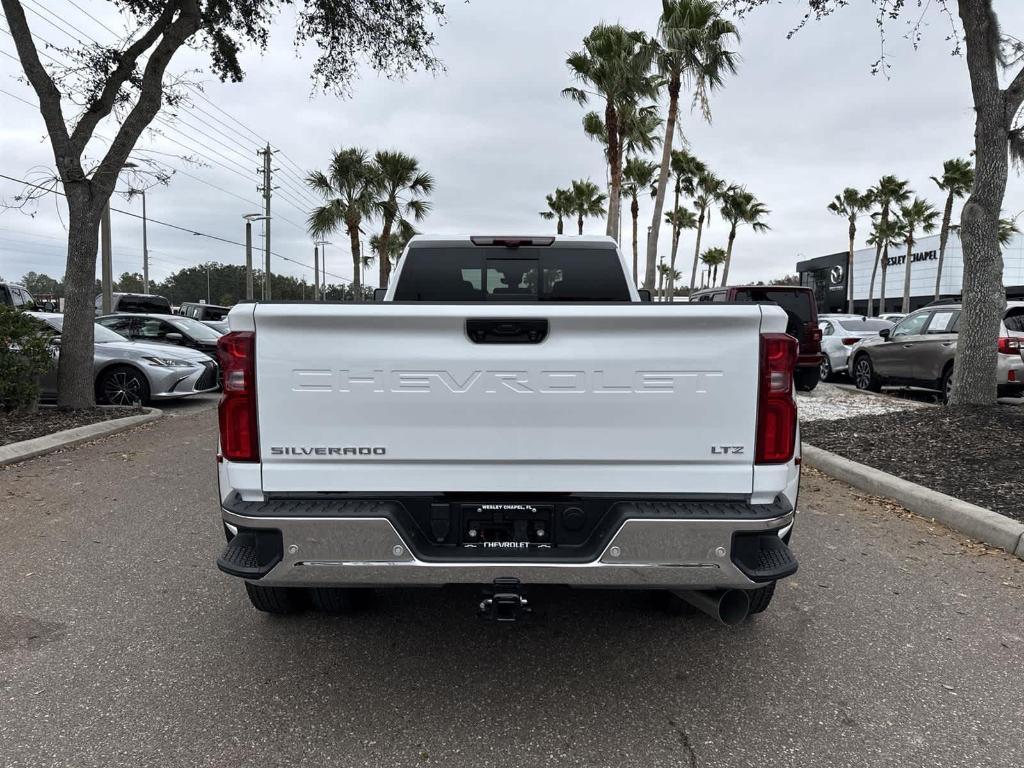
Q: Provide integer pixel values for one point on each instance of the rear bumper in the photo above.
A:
(642, 552)
(809, 361)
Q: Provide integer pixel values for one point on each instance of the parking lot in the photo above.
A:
(897, 643)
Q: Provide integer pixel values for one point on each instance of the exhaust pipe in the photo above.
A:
(726, 606)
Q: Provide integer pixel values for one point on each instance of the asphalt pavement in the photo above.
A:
(898, 643)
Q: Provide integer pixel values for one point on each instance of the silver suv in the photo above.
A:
(919, 352)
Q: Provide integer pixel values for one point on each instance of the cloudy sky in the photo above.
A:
(802, 119)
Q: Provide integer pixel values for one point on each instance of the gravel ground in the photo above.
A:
(828, 402)
(21, 425)
(974, 454)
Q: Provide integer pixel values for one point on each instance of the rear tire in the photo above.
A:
(335, 601)
(864, 376)
(278, 600)
(807, 378)
(761, 598)
(826, 369)
(947, 384)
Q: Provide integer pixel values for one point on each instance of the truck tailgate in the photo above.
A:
(616, 399)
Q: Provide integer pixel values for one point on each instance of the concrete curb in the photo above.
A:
(68, 438)
(970, 519)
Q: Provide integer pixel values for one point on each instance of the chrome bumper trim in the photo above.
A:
(369, 551)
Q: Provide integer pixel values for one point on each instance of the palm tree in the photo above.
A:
(741, 207)
(713, 257)
(693, 48)
(350, 187)
(883, 235)
(403, 187)
(918, 216)
(1008, 229)
(560, 205)
(637, 176)
(587, 201)
(957, 181)
(615, 63)
(679, 219)
(686, 171)
(710, 190)
(394, 245)
(667, 278)
(851, 203)
(888, 192)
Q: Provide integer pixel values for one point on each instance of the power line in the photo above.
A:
(92, 17)
(171, 226)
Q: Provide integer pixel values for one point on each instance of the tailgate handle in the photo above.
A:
(506, 331)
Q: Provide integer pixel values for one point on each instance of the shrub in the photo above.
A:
(25, 355)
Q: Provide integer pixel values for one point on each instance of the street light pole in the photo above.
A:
(316, 271)
(248, 260)
(107, 273)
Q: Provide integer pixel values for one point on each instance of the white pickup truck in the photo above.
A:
(510, 413)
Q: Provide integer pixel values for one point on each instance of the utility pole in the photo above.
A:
(108, 263)
(268, 154)
(145, 248)
(316, 271)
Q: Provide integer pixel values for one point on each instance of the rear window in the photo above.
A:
(150, 305)
(505, 274)
(1014, 320)
(866, 325)
(796, 303)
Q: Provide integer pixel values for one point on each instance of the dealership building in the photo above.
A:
(827, 275)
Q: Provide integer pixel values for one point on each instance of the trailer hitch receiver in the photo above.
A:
(504, 601)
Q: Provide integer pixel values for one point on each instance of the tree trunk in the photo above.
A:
(675, 247)
(357, 261)
(75, 375)
(906, 274)
(696, 250)
(560, 225)
(661, 285)
(714, 280)
(984, 297)
(728, 256)
(634, 210)
(384, 246)
(674, 85)
(947, 216)
(849, 265)
(579, 223)
(611, 121)
(871, 288)
(885, 265)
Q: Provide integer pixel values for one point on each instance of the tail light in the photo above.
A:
(850, 341)
(776, 408)
(239, 439)
(812, 334)
(1009, 345)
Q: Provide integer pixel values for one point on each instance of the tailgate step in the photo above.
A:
(252, 553)
(763, 556)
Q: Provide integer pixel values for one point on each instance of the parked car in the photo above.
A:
(511, 414)
(14, 295)
(920, 350)
(800, 307)
(147, 303)
(839, 333)
(892, 317)
(163, 329)
(213, 315)
(128, 372)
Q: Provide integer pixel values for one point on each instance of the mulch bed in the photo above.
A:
(21, 425)
(973, 454)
